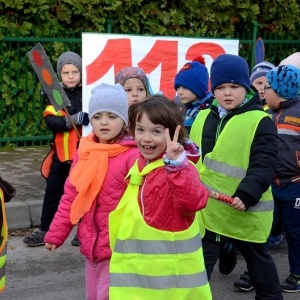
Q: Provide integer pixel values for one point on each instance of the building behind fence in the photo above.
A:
(21, 107)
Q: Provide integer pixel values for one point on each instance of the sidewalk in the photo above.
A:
(21, 167)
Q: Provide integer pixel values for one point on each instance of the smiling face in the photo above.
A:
(70, 76)
(229, 95)
(150, 138)
(107, 126)
(135, 89)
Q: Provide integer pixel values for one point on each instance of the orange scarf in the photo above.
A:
(89, 172)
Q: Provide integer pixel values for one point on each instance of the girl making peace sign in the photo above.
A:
(154, 234)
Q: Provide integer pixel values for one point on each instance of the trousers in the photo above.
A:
(97, 279)
(59, 172)
(260, 264)
(287, 201)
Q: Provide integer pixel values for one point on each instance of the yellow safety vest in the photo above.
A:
(152, 264)
(3, 243)
(65, 142)
(223, 169)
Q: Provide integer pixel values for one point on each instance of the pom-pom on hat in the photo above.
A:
(285, 81)
(109, 98)
(193, 76)
(69, 57)
(228, 68)
(261, 69)
(132, 72)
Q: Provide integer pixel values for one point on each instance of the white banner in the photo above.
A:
(161, 57)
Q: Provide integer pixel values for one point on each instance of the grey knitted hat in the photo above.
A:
(69, 58)
(261, 69)
(109, 98)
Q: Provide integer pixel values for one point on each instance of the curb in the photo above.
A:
(21, 214)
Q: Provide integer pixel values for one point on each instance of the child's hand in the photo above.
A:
(238, 204)
(174, 149)
(50, 247)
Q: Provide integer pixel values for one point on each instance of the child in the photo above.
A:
(65, 141)
(191, 84)
(95, 185)
(7, 192)
(283, 97)
(154, 234)
(258, 79)
(239, 156)
(135, 84)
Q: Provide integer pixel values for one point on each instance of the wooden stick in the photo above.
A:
(221, 197)
(72, 122)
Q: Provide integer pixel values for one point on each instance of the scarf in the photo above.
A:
(88, 174)
(193, 108)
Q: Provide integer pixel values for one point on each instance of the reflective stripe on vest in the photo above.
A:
(223, 169)
(65, 142)
(3, 246)
(158, 247)
(239, 173)
(148, 263)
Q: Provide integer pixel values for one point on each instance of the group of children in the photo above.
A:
(139, 201)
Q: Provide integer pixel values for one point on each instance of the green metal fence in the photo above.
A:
(21, 107)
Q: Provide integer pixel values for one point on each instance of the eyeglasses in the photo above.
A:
(266, 88)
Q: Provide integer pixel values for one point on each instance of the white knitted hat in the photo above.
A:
(109, 98)
(293, 59)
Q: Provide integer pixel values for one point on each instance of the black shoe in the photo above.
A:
(35, 238)
(291, 284)
(227, 259)
(75, 241)
(244, 283)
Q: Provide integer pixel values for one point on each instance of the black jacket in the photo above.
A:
(263, 153)
(58, 124)
(287, 120)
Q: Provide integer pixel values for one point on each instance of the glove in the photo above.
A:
(81, 118)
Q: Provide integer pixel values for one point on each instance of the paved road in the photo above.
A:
(37, 274)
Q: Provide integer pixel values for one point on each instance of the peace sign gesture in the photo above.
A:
(174, 149)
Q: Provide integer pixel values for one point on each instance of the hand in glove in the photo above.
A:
(81, 118)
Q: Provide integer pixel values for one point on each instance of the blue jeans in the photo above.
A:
(287, 200)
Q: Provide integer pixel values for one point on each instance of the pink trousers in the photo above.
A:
(97, 279)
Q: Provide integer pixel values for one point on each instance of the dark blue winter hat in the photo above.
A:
(228, 68)
(193, 76)
(285, 81)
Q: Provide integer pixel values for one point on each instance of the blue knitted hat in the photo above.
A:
(228, 68)
(193, 76)
(285, 81)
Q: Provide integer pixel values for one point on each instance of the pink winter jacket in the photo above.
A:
(93, 227)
